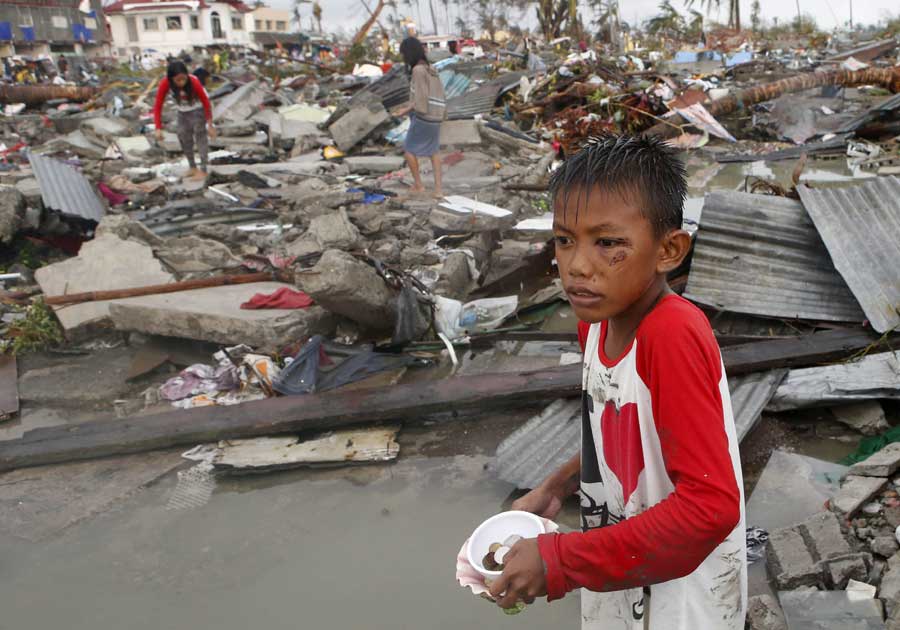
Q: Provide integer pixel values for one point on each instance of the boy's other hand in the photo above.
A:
(539, 501)
(524, 576)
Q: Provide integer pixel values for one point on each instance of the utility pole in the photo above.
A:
(799, 19)
(851, 15)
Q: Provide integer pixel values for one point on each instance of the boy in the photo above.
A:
(663, 545)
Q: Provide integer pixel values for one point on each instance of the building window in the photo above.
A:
(195, 22)
(237, 23)
(268, 25)
(216, 25)
(151, 24)
(173, 23)
(258, 25)
(123, 52)
(281, 25)
(59, 21)
(25, 19)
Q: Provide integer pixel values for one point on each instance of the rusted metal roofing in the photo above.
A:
(551, 438)
(761, 255)
(860, 226)
(887, 106)
(867, 52)
(66, 190)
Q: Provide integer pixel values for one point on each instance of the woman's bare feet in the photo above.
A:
(192, 173)
(198, 174)
(438, 194)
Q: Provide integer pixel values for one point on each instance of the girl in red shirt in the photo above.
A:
(194, 114)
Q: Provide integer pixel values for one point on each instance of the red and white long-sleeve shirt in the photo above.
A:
(183, 105)
(664, 544)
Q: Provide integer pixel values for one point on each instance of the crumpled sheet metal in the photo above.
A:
(873, 376)
(860, 226)
(761, 255)
(750, 393)
(66, 190)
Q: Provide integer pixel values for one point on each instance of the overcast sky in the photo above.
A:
(348, 14)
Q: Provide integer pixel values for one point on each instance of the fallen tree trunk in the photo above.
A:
(888, 78)
(39, 94)
(155, 289)
(295, 414)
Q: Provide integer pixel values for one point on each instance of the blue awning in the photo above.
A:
(6, 31)
(27, 33)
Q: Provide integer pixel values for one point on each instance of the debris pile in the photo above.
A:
(325, 293)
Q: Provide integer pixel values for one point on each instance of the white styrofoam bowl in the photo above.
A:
(497, 529)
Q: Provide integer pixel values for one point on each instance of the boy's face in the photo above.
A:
(609, 257)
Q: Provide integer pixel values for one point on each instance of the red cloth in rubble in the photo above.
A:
(283, 298)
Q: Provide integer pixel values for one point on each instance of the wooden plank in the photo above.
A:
(9, 387)
(829, 345)
(290, 414)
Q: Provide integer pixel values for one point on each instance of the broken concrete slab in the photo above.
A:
(792, 488)
(889, 589)
(91, 380)
(453, 221)
(12, 212)
(30, 188)
(44, 502)
(855, 491)
(455, 280)
(349, 287)
(237, 128)
(134, 148)
(107, 262)
(240, 104)
(76, 142)
(830, 610)
(127, 228)
(764, 613)
(885, 546)
(353, 127)
(214, 314)
(867, 417)
(192, 254)
(796, 555)
(884, 463)
(375, 163)
(459, 133)
(237, 143)
(105, 129)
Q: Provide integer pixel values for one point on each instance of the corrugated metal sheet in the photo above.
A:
(454, 83)
(541, 445)
(392, 88)
(750, 394)
(66, 190)
(873, 376)
(882, 109)
(548, 440)
(482, 99)
(761, 255)
(860, 226)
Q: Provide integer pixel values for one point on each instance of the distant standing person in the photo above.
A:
(63, 66)
(427, 109)
(194, 114)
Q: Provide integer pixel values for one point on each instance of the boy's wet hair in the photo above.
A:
(641, 168)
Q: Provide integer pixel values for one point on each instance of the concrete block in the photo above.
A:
(12, 212)
(192, 254)
(885, 546)
(867, 417)
(884, 463)
(214, 314)
(839, 572)
(349, 287)
(375, 163)
(334, 231)
(352, 128)
(790, 562)
(855, 491)
(105, 263)
(764, 613)
(455, 280)
(237, 128)
(459, 133)
(824, 535)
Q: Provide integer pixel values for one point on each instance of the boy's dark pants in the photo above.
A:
(191, 129)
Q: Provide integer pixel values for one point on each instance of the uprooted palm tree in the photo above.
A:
(668, 23)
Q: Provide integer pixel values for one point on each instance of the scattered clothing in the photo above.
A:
(113, 197)
(283, 298)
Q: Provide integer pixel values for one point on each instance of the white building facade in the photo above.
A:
(171, 26)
